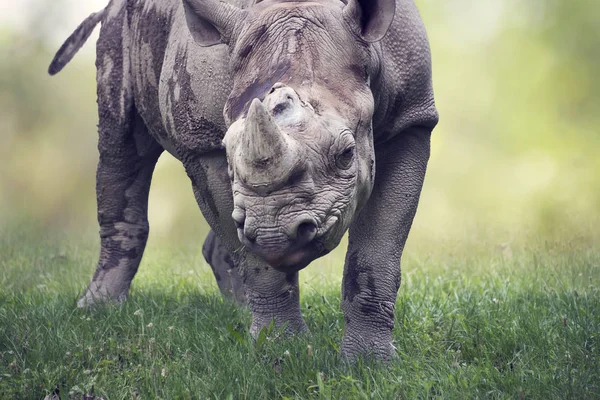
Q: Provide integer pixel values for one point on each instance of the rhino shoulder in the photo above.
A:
(405, 90)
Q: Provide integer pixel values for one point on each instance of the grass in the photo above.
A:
(499, 323)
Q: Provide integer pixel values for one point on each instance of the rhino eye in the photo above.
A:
(344, 159)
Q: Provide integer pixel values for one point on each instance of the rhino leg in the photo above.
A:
(376, 240)
(226, 271)
(127, 159)
(122, 186)
(271, 295)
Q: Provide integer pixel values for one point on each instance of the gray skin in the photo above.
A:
(295, 121)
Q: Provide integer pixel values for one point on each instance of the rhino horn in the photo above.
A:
(264, 144)
(269, 156)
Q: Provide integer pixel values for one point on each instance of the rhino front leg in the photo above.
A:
(271, 295)
(227, 273)
(376, 240)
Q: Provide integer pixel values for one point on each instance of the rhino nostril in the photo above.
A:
(306, 231)
(239, 217)
(279, 108)
(247, 233)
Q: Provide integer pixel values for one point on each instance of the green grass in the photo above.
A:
(523, 323)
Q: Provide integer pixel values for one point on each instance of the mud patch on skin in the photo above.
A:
(358, 279)
(113, 91)
(122, 247)
(151, 28)
(361, 289)
(351, 286)
(123, 242)
(191, 131)
(114, 9)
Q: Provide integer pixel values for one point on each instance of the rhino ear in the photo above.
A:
(212, 21)
(373, 17)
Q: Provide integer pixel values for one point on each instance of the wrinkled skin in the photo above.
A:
(295, 121)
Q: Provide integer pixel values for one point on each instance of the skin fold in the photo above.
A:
(296, 122)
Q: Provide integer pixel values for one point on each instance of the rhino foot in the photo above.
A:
(291, 325)
(98, 294)
(273, 296)
(368, 345)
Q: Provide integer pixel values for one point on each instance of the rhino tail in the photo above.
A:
(72, 45)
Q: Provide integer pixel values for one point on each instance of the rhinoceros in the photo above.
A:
(296, 121)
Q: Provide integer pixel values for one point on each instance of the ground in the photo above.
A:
(491, 322)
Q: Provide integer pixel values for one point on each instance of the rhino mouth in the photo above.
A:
(297, 259)
(286, 256)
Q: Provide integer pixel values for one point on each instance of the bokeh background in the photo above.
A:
(515, 157)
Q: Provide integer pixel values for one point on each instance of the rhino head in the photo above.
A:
(299, 143)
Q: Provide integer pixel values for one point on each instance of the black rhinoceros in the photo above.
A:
(295, 121)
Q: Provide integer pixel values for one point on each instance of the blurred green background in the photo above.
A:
(514, 160)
